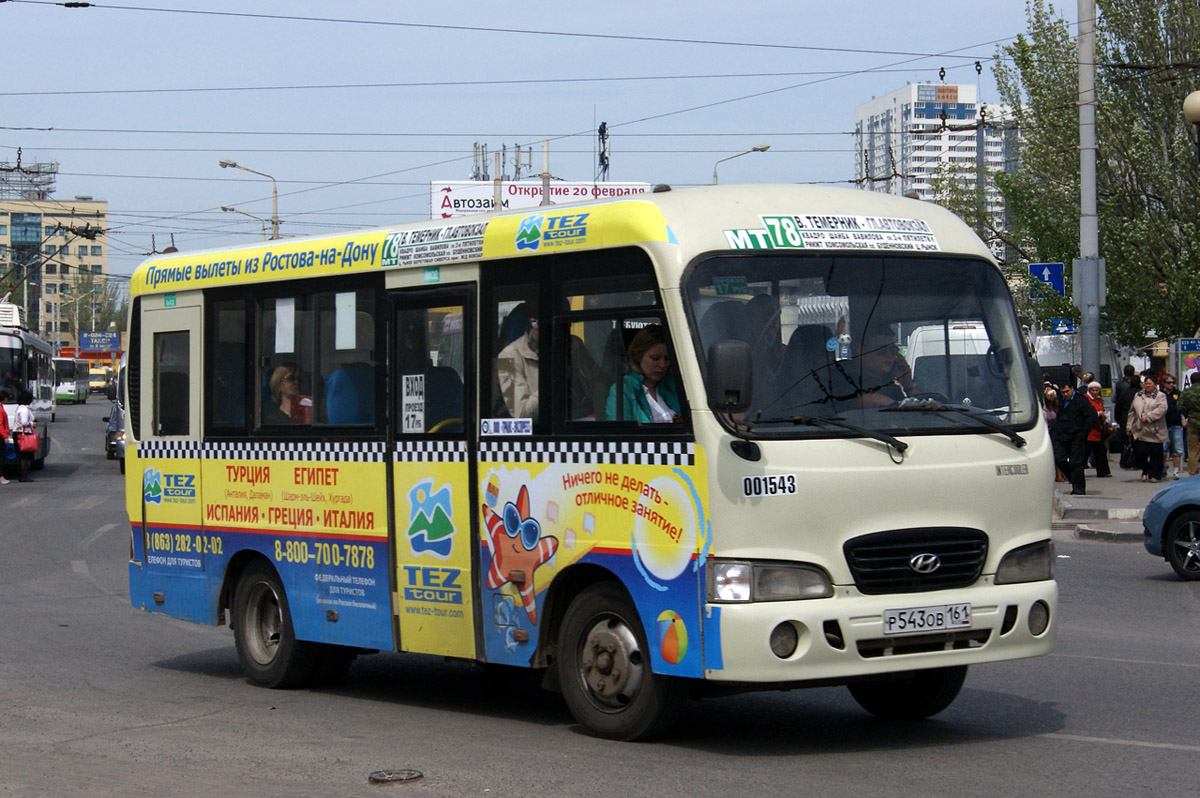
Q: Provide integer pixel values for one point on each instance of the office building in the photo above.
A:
(53, 258)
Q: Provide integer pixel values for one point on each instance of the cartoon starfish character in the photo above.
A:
(517, 545)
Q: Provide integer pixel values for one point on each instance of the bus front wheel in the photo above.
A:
(605, 671)
(919, 695)
(266, 642)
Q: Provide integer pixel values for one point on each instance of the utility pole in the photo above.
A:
(1087, 276)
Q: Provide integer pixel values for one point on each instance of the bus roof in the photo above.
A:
(751, 217)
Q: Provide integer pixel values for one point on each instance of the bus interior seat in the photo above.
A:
(805, 369)
(443, 398)
(349, 390)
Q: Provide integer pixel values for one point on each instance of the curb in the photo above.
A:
(1088, 532)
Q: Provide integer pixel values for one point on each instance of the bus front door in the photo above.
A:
(169, 456)
(433, 465)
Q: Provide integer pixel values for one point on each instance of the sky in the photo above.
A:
(356, 107)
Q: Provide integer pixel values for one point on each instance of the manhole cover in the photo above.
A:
(395, 776)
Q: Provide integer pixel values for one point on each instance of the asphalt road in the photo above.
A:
(97, 698)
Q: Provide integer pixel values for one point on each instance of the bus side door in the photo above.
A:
(433, 368)
(169, 456)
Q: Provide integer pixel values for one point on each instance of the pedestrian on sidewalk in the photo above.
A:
(1175, 443)
(1098, 436)
(1147, 424)
(1076, 417)
(1122, 401)
(1189, 408)
(5, 431)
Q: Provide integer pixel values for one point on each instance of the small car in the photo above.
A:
(1172, 526)
(114, 435)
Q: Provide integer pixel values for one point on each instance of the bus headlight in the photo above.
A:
(732, 581)
(1031, 563)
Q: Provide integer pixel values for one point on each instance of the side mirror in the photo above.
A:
(112, 392)
(729, 376)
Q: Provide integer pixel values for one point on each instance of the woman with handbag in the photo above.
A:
(24, 433)
(1099, 434)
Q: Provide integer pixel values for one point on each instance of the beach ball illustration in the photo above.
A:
(672, 637)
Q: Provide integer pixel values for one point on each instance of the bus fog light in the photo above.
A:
(784, 639)
(730, 581)
(790, 582)
(1039, 618)
(1031, 563)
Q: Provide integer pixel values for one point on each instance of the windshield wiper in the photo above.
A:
(838, 422)
(982, 416)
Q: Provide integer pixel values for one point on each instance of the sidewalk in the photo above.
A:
(1112, 508)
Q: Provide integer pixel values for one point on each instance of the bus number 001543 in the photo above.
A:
(771, 485)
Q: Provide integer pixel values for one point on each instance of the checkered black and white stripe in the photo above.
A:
(337, 452)
(169, 450)
(334, 452)
(431, 452)
(589, 452)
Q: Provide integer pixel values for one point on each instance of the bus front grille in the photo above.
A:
(916, 560)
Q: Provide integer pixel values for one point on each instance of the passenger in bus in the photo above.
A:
(517, 373)
(287, 406)
(649, 393)
(885, 376)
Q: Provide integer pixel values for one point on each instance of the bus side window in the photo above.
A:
(347, 358)
(172, 378)
(517, 359)
(228, 364)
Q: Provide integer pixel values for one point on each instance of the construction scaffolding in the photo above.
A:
(27, 182)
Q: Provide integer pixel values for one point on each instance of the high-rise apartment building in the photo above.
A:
(52, 259)
(902, 139)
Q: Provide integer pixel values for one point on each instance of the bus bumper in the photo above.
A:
(843, 636)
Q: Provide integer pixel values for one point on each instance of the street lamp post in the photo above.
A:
(225, 163)
(1191, 111)
(75, 326)
(759, 148)
(261, 220)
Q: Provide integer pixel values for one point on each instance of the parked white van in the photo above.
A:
(958, 361)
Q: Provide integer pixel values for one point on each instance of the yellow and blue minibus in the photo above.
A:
(656, 447)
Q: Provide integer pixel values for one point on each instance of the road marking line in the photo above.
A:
(1079, 738)
(92, 538)
(25, 501)
(90, 502)
(1130, 661)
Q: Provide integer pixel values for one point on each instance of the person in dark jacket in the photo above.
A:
(1128, 388)
(1076, 418)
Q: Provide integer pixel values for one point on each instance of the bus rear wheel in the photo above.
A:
(266, 642)
(605, 670)
(919, 695)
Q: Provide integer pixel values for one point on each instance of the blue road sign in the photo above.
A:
(1061, 326)
(1051, 274)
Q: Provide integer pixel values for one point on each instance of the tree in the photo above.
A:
(1148, 181)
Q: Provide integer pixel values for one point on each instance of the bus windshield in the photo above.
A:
(886, 344)
(10, 359)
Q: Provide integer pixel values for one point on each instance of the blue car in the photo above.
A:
(1172, 527)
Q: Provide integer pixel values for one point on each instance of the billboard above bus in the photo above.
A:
(466, 197)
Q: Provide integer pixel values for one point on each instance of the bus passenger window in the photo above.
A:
(429, 393)
(172, 378)
(517, 362)
(228, 364)
(346, 357)
(285, 367)
(648, 393)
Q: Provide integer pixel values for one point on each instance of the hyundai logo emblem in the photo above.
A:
(925, 563)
